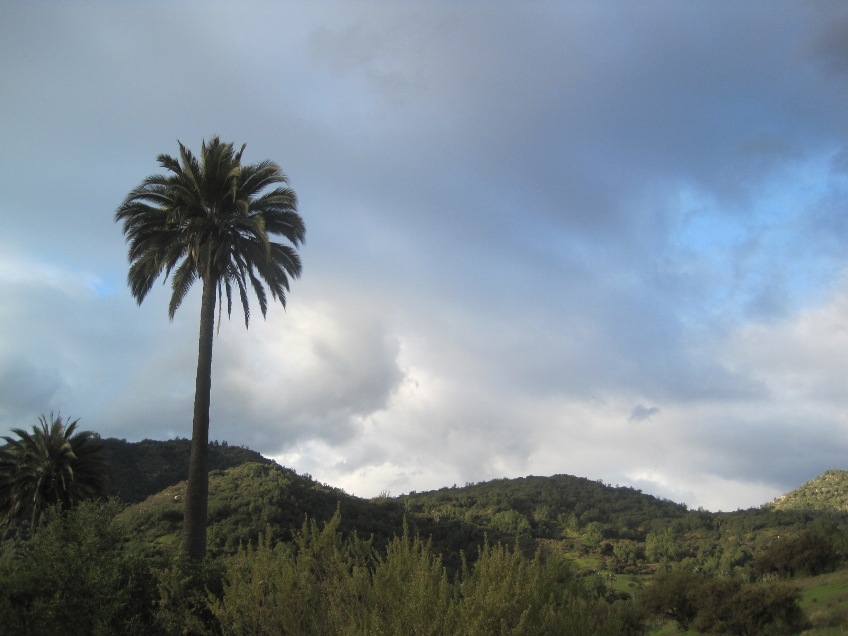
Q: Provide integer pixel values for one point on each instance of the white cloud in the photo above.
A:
(804, 359)
(312, 372)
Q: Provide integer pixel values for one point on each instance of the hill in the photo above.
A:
(246, 500)
(544, 506)
(615, 529)
(827, 493)
(142, 469)
(632, 555)
(255, 498)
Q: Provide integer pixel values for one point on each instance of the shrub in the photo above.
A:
(723, 605)
(315, 585)
(410, 592)
(810, 552)
(506, 593)
(322, 584)
(75, 576)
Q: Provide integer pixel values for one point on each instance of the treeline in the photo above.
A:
(627, 531)
(81, 573)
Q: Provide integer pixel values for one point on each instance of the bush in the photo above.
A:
(75, 576)
(723, 605)
(808, 553)
(183, 589)
(410, 592)
(322, 584)
(315, 585)
(506, 593)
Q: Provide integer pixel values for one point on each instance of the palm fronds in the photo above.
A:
(213, 218)
(53, 465)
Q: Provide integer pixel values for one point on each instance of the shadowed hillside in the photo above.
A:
(145, 468)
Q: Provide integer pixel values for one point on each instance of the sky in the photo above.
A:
(604, 239)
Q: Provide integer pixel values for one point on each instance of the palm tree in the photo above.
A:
(211, 219)
(53, 465)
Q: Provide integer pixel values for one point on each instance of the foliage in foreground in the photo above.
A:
(75, 576)
(322, 584)
(80, 575)
(86, 571)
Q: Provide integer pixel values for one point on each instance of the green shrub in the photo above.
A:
(315, 585)
(184, 586)
(322, 584)
(76, 576)
(410, 592)
(807, 553)
(506, 593)
(723, 605)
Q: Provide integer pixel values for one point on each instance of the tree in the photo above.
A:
(723, 605)
(811, 552)
(52, 465)
(211, 219)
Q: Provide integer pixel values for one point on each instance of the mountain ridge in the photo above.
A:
(144, 468)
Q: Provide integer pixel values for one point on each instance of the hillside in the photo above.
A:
(629, 556)
(616, 529)
(142, 469)
(246, 500)
(828, 493)
(250, 495)
(255, 498)
(544, 506)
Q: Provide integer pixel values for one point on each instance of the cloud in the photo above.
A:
(640, 413)
(521, 223)
(314, 372)
(24, 388)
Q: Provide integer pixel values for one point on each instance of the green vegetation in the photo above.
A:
(522, 556)
(211, 220)
(83, 575)
(828, 491)
(258, 499)
(54, 465)
(142, 469)
(723, 605)
(825, 600)
(77, 575)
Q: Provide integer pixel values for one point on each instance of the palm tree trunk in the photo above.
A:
(197, 490)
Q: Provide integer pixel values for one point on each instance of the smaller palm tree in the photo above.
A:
(54, 465)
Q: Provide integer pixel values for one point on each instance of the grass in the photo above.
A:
(825, 600)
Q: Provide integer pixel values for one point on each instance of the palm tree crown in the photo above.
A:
(52, 465)
(211, 219)
(208, 219)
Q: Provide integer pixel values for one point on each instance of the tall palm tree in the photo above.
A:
(211, 219)
(52, 465)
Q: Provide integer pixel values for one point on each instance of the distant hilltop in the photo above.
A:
(828, 491)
